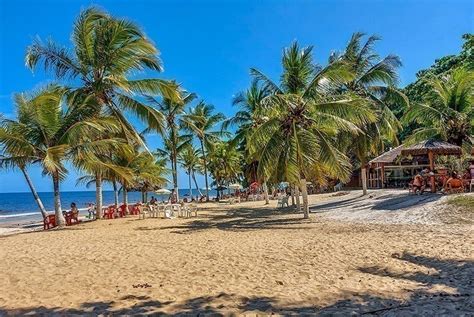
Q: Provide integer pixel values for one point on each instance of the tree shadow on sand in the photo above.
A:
(423, 302)
(387, 201)
(241, 219)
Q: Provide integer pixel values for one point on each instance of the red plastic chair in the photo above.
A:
(122, 211)
(135, 210)
(49, 222)
(109, 212)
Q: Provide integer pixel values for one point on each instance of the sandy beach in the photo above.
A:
(245, 258)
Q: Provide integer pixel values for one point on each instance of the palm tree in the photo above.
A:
(305, 114)
(102, 168)
(16, 155)
(190, 160)
(147, 172)
(201, 121)
(375, 80)
(447, 112)
(225, 163)
(173, 141)
(106, 50)
(248, 118)
(49, 134)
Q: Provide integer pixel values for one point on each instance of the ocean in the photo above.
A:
(14, 206)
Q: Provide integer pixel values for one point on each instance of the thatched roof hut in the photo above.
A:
(389, 156)
(432, 146)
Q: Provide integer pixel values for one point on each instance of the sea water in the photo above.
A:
(18, 205)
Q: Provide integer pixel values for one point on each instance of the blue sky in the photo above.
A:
(209, 46)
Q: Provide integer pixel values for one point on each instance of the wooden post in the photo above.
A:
(432, 178)
(382, 168)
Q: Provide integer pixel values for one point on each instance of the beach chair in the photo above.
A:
(134, 210)
(143, 211)
(49, 222)
(109, 213)
(160, 208)
(192, 209)
(282, 201)
(122, 211)
(154, 211)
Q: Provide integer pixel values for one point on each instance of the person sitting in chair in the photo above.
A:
(453, 182)
(418, 184)
(74, 210)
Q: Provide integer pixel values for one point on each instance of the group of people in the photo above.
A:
(446, 182)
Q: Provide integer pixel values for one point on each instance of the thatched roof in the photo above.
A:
(389, 156)
(436, 147)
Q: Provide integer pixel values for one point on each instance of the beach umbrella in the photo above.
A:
(235, 186)
(283, 185)
(163, 191)
(254, 185)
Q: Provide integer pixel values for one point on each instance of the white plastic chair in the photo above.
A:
(153, 211)
(144, 210)
(282, 201)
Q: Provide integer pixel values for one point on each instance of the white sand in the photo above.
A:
(243, 258)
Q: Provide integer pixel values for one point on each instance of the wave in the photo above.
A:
(20, 215)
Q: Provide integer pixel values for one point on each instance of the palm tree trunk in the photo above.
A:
(196, 184)
(174, 167)
(35, 194)
(265, 193)
(304, 191)
(60, 221)
(205, 168)
(116, 195)
(297, 194)
(364, 180)
(98, 196)
(190, 185)
(125, 196)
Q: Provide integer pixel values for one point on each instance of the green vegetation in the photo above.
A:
(462, 201)
(315, 123)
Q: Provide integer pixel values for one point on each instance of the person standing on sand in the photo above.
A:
(91, 210)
